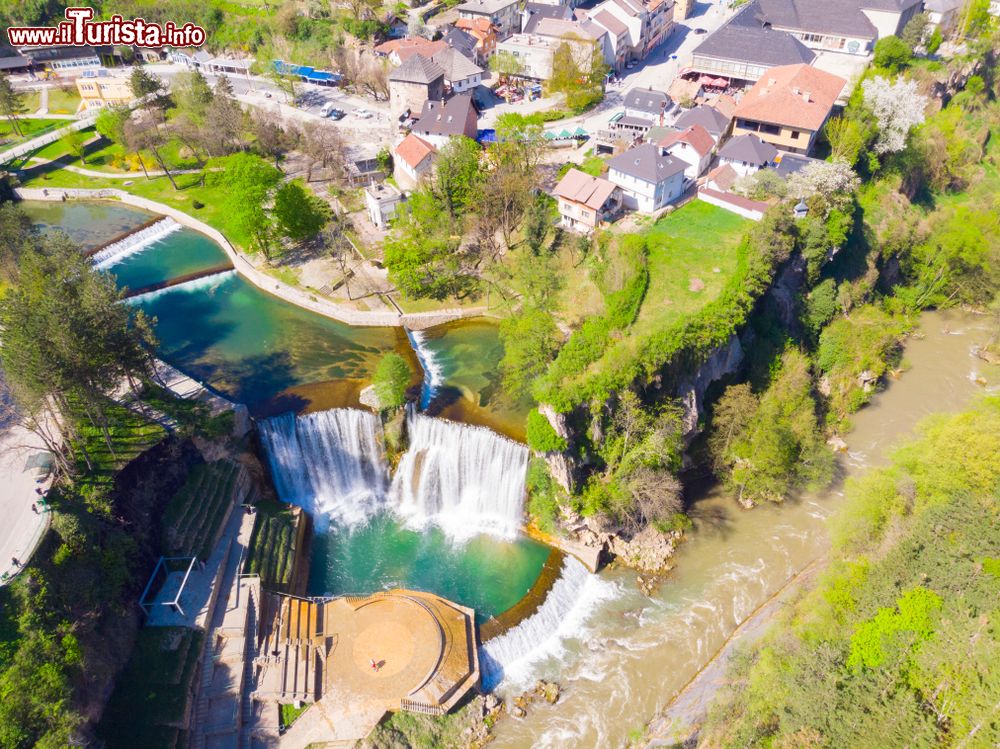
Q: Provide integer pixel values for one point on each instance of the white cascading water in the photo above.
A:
(205, 283)
(465, 479)
(133, 243)
(329, 463)
(433, 369)
(513, 656)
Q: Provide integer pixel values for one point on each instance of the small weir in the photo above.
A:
(509, 656)
(434, 376)
(179, 280)
(201, 282)
(143, 236)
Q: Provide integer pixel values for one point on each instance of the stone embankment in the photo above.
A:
(260, 279)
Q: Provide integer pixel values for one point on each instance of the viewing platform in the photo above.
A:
(322, 651)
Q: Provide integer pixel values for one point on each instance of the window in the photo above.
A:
(795, 134)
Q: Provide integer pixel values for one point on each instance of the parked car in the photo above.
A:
(362, 113)
(337, 114)
(701, 31)
(326, 109)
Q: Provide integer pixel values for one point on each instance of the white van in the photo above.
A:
(327, 108)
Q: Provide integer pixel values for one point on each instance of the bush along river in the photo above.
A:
(448, 519)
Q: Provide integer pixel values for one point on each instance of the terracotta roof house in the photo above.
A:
(692, 145)
(485, 34)
(747, 154)
(460, 73)
(708, 117)
(503, 14)
(441, 120)
(400, 50)
(585, 202)
(412, 159)
(649, 180)
(788, 106)
(722, 178)
(414, 82)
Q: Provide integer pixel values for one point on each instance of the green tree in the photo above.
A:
(892, 54)
(530, 341)
(144, 83)
(250, 182)
(17, 234)
(300, 215)
(192, 95)
(506, 65)
(457, 175)
(77, 143)
(913, 33)
(11, 104)
(391, 379)
(225, 121)
(110, 122)
(847, 137)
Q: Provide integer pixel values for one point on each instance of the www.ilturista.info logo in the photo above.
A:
(78, 31)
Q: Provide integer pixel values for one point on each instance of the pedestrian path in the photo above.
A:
(22, 528)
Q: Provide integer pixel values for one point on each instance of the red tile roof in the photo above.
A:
(414, 150)
(797, 96)
(582, 188)
(695, 136)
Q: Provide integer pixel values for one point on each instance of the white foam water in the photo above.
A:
(329, 463)
(137, 242)
(465, 479)
(205, 283)
(432, 366)
(513, 657)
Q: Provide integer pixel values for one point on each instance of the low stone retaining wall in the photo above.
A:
(266, 283)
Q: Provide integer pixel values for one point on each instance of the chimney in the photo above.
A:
(806, 97)
(795, 90)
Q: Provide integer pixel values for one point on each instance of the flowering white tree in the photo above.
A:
(897, 108)
(824, 178)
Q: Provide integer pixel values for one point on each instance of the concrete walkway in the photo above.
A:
(21, 529)
(294, 295)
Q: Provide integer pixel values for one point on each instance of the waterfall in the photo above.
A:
(510, 657)
(329, 463)
(205, 283)
(133, 243)
(433, 369)
(466, 479)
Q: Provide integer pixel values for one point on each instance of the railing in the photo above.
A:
(418, 707)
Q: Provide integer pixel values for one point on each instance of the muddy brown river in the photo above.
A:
(627, 659)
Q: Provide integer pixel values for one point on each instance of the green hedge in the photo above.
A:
(568, 383)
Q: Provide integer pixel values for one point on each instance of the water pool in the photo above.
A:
(187, 252)
(483, 573)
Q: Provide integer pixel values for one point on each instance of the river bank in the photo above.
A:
(634, 655)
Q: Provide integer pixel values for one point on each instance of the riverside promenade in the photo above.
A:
(260, 279)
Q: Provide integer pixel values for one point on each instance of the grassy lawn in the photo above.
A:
(692, 253)
(30, 128)
(272, 545)
(289, 714)
(63, 102)
(189, 194)
(105, 155)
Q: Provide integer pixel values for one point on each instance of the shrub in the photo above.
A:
(541, 436)
(392, 377)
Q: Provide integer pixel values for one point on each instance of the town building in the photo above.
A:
(98, 88)
(485, 34)
(532, 13)
(412, 160)
(943, 13)
(66, 61)
(12, 62)
(399, 51)
(788, 106)
(644, 108)
(649, 179)
(747, 154)
(503, 14)
(693, 145)
(706, 116)
(648, 23)
(382, 200)
(460, 73)
(440, 120)
(414, 82)
(535, 51)
(743, 48)
(586, 202)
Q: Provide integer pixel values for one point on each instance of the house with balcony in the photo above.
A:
(647, 23)
(460, 73)
(502, 14)
(644, 108)
(649, 179)
(788, 106)
(586, 202)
